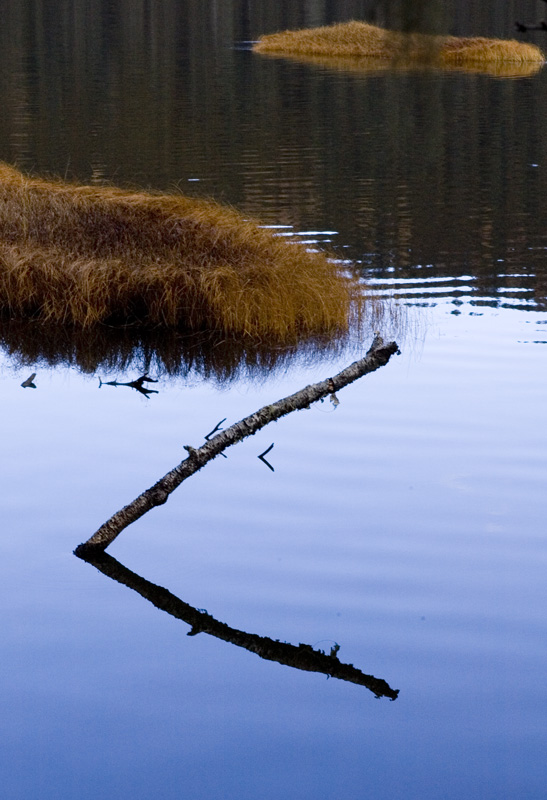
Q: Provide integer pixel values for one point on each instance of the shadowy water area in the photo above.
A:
(390, 534)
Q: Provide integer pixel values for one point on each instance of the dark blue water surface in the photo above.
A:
(406, 525)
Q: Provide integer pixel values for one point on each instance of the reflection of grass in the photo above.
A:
(116, 351)
(376, 66)
(360, 39)
(83, 255)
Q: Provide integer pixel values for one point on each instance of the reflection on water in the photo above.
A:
(303, 656)
(29, 382)
(520, 292)
(139, 384)
(375, 67)
(210, 357)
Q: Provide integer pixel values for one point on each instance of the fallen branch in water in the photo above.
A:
(302, 657)
(377, 356)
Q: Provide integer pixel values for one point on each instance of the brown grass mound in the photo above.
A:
(84, 255)
(361, 39)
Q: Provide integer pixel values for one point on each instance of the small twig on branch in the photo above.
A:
(215, 429)
(377, 356)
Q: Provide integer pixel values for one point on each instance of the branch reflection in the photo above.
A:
(138, 384)
(301, 656)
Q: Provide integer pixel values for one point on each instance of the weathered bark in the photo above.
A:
(302, 657)
(377, 356)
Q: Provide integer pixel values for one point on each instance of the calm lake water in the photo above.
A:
(405, 525)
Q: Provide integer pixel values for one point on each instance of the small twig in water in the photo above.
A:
(136, 384)
(261, 457)
(524, 27)
(29, 383)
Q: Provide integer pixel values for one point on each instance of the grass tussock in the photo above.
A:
(361, 39)
(86, 255)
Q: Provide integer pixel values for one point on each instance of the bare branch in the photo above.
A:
(377, 356)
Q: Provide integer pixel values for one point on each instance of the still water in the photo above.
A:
(405, 525)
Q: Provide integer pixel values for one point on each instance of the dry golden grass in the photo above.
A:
(84, 255)
(364, 40)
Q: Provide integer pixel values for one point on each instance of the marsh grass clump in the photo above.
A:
(361, 39)
(86, 255)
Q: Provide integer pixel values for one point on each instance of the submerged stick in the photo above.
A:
(302, 657)
(377, 356)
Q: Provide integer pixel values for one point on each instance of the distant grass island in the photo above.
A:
(359, 39)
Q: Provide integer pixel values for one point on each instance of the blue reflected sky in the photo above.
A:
(404, 525)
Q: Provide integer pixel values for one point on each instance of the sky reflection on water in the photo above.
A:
(412, 496)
